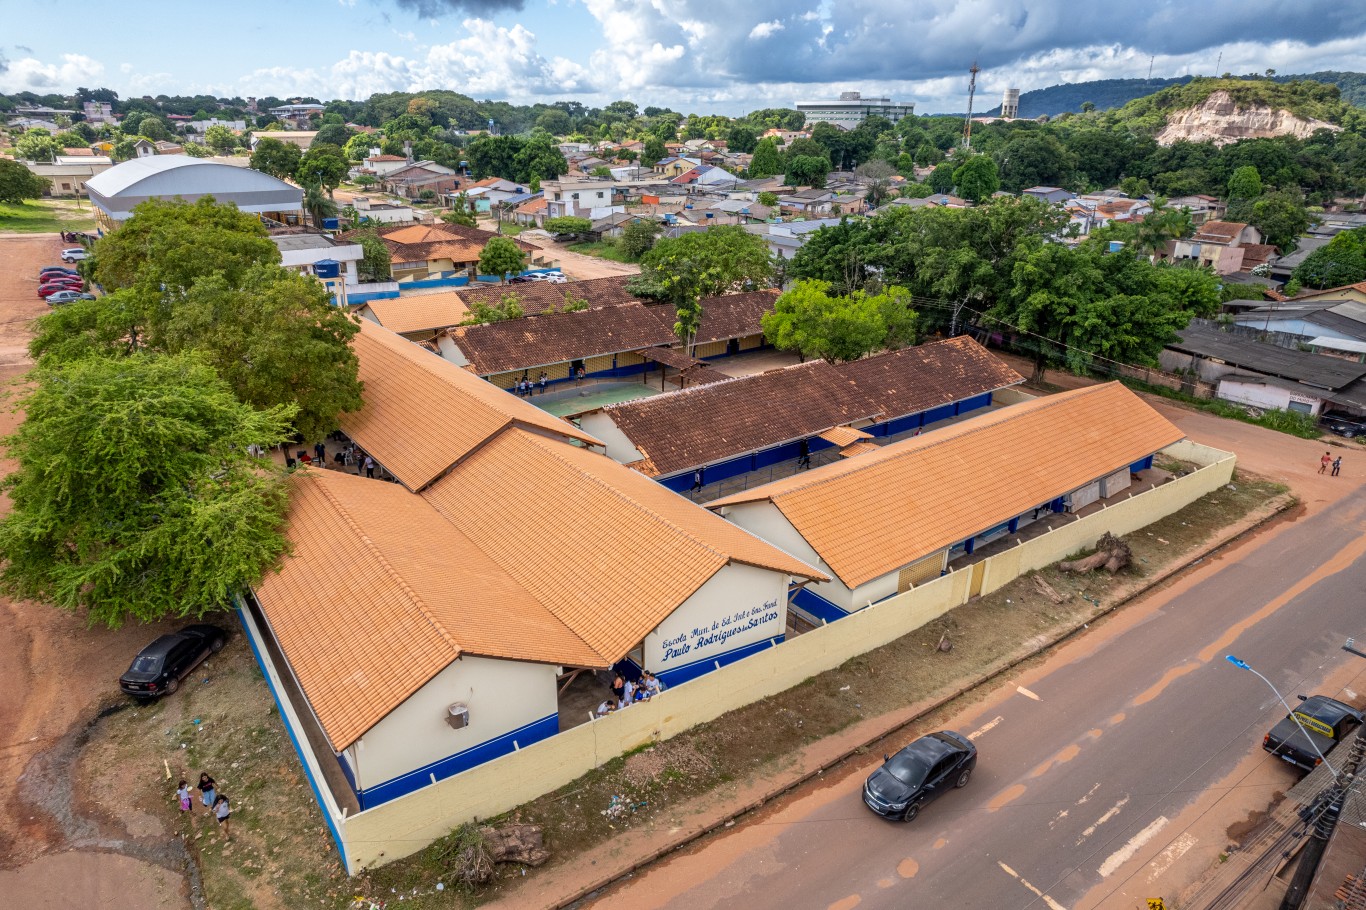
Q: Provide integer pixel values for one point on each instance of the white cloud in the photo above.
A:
(764, 29)
(28, 74)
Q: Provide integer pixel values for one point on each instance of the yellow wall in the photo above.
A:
(710, 349)
(406, 825)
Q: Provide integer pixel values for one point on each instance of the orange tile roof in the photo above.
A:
(422, 413)
(844, 436)
(871, 515)
(380, 594)
(609, 551)
(419, 313)
(859, 448)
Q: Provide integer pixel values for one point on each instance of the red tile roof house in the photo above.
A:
(1224, 246)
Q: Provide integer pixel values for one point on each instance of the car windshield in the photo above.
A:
(909, 768)
(146, 663)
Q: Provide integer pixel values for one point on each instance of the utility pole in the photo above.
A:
(1151, 58)
(972, 90)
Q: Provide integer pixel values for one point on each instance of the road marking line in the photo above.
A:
(1351, 696)
(1125, 853)
(1061, 816)
(986, 727)
(1111, 813)
(1052, 904)
(1088, 794)
(1174, 851)
(1026, 693)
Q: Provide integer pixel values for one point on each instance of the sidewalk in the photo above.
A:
(633, 849)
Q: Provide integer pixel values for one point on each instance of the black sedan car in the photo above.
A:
(1343, 424)
(159, 667)
(919, 773)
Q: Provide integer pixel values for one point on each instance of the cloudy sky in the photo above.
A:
(722, 57)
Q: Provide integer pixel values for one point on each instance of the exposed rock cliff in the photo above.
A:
(1220, 120)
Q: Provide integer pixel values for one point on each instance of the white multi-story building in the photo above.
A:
(852, 109)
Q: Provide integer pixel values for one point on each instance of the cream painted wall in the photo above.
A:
(765, 521)
(735, 597)
(451, 351)
(502, 695)
(619, 446)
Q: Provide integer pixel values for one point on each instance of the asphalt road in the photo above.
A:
(1125, 754)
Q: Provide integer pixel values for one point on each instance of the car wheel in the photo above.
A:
(172, 685)
(963, 778)
(911, 812)
(218, 644)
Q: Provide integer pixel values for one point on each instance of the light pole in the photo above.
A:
(1244, 665)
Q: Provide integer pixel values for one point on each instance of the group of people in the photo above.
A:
(217, 803)
(626, 692)
(526, 388)
(1328, 461)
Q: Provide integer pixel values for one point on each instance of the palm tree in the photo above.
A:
(1160, 226)
(318, 204)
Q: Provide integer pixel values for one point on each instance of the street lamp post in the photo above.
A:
(1244, 665)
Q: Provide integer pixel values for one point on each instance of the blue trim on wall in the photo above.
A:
(294, 739)
(1142, 464)
(497, 747)
(811, 602)
(373, 295)
(705, 665)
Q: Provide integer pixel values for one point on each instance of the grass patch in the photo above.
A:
(46, 216)
(1305, 426)
(602, 249)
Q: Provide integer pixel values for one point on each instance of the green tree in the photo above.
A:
(1163, 225)
(767, 161)
(375, 259)
(1281, 217)
(135, 496)
(977, 179)
(638, 237)
(1246, 183)
(37, 145)
(654, 151)
(540, 158)
(334, 134)
(324, 164)
(806, 170)
(495, 156)
(501, 257)
(508, 307)
(741, 138)
(462, 212)
(877, 176)
(941, 178)
(195, 150)
(555, 122)
(810, 320)
(220, 139)
(1339, 262)
(18, 183)
(568, 224)
(155, 129)
(687, 269)
(318, 204)
(767, 198)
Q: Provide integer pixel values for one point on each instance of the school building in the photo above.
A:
(897, 516)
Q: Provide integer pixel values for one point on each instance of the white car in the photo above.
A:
(75, 254)
(555, 278)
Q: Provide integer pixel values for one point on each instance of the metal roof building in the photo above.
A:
(117, 191)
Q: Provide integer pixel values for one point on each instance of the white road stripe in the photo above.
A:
(1125, 853)
(1060, 817)
(1026, 693)
(1111, 813)
(983, 729)
(1174, 851)
(1052, 904)
(1088, 794)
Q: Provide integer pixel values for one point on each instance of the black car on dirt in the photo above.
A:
(159, 667)
(1343, 424)
(1316, 726)
(919, 773)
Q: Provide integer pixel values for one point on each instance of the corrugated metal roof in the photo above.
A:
(1235, 350)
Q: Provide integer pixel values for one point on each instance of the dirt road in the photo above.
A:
(56, 674)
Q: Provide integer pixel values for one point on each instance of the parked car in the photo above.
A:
(1325, 721)
(556, 278)
(1343, 424)
(75, 254)
(47, 290)
(920, 773)
(61, 297)
(159, 667)
(520, 279)
(51, 270)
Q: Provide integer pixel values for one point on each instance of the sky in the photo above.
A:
(701, 56)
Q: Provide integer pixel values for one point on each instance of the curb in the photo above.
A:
(1284, 502)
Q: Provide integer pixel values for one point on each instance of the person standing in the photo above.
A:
(1324, 462)
(222, 811)
(206, 788)
(696, 480)
(183, 795)
(618, 688)
(320, 454)
(369, 466)
(804, 455)
(1337, 465)
(543, 380)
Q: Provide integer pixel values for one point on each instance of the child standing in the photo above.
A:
(183, 794)
(222, 811)
(206, 788)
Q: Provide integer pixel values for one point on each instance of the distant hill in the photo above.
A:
(1107, 94)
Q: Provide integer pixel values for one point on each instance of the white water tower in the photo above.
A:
(1010, 104)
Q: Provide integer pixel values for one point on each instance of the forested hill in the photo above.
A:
(1106, 94)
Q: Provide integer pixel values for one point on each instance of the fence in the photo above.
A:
(406, 825)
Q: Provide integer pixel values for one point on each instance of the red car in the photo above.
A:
(53, 287)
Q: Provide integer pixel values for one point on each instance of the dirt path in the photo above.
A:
(58, 673)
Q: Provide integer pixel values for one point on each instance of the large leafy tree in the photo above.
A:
(806, 170)
(220, 138)
(687, 269)
(767, 161)
(977, 179)
(810, 320)
(276, 158)
(1340, 262)
(539, 159)
(653, 152)
(37, 145)
(501, 257)
(325, 164)
(18, 183)
(1281, 217)
(135, 496)
(318, 204)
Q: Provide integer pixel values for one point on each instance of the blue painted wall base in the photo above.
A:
(704, 666)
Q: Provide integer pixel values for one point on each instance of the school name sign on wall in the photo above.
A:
(720, 631)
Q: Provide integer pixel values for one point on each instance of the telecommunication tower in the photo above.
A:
(972, 90)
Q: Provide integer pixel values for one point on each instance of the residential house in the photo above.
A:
(896, 516)
(1201, 208)
(1050, 194)
(331, 262)
(675, 165)
(419, 252)
(302, 138)
(1331, 321)
(412, 181)
(731, 428)
(1224, 246)
(368, 209)
(196, 129)
(530, 213)
(169, 148)
(784, 239)
(297, 117)
(144, 148)
(34, 123)
(593, 197)
(381, 166)
(488, 194)
(705, 175)
(813, 202)
(98, 113)
(68, 174)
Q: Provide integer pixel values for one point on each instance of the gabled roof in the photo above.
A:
(871, 515)
(539, 296)
(1317, 370)
(380, 593)
(929, 375)
(610, 552)
(535, 341)
(420, 313)
(422, 413)
(731, 315)
(1218, 232)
